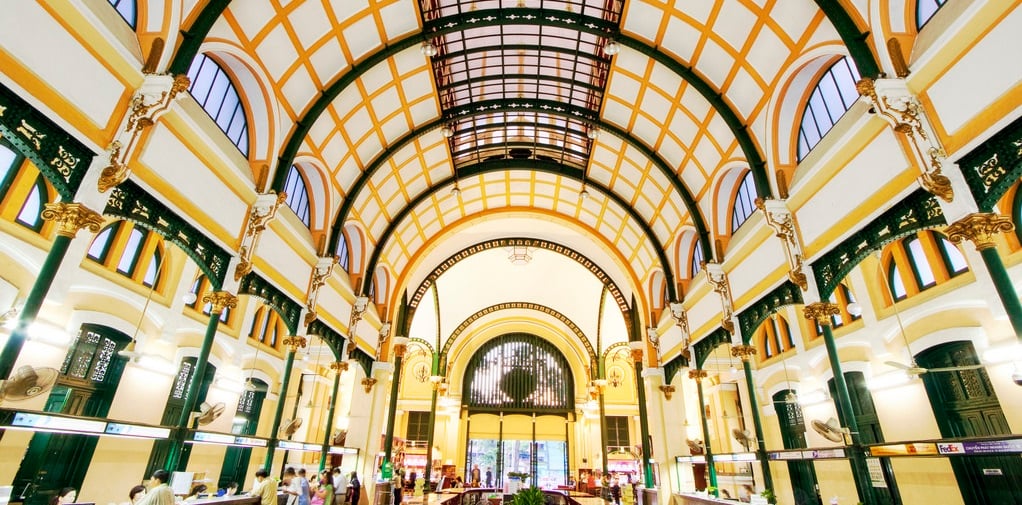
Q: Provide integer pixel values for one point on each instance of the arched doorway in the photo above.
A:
(519, 390)
(965, 405)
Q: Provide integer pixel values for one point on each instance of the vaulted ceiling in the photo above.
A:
(627, 121)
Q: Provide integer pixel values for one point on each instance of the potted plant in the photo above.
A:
(528, 496)
(515, 481)
(769, 495)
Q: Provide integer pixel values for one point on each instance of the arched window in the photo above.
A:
(841, 297)
(833, 95)
(23, 189)
(774, 337)
(925, 9)
(132, 251)
(127, 9)
(343, 255)
(297, 194)
(519, 371)
(922, 261)
(744, 202)
(200, 288)
(215, 92)
(696, 265)
(267, 327)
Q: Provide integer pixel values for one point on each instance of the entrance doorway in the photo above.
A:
(86, 387)
(965, 405)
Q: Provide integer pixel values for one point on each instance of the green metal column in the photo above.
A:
(821, 313)
(640, 384)
(432, 424)
(292, 343)
(70, 217)
(757, 423)
(1005, 288)
(980, 228)
(388, 441)
(338, 367)
(711, 471)
(603, 431)
(219, 301)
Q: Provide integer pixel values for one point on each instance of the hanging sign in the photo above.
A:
(981, 447)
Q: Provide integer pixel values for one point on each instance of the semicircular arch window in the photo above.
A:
(519, 371)
(832, 96)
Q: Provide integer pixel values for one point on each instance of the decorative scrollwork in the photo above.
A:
(71, 217)
(893, 101)
(368, 384)
(220, 301)
(294, 342)
(263, 210)
(821, 312)
(980, 228)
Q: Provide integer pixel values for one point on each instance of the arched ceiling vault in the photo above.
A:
(690, 204)
(730, 53)
(511, 164)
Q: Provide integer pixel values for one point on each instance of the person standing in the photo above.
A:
(306, 487)
(326, 488)
(159, 492)
(474, 477)
(489, 477)
(265, 488)
(340, 487)
(615, 492)
(356, 488)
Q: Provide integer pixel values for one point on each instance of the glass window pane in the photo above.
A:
(920, 264)
(834, 93)
(97, 250)
(33, 207)
(127, 263)
(897, 285)
(7, 161)
(956, 262)
(151, 269)
(213, 89)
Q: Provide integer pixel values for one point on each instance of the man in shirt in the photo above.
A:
(340, 487)
(159, 492)
(265, 488)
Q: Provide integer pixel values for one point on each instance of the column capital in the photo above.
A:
(745, 352)
(697, 374)
(294, 342)
(979, 228)
(220, 300)
(339, 366)
(71, 217)
(820, 312)
(667, 390)
(368, 384)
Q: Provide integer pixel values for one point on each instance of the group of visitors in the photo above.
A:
(328, 488)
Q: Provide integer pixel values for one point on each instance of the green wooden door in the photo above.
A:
(793, 429)
(172, 413)
(88, 380)
(246, 420)
(869, 432)
(965, 405)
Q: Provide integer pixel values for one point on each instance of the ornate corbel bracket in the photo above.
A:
(680, 316)
(717, 278)
(668, 391)
(152, 100)
(320, 273)
(262, 212)
(368, 384)
(892, 100)
(782, 221)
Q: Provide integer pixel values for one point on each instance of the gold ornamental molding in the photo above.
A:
(339, 366)
(71, 217)
(697, 375)
(980, 228)
(782, 221)
(680, 316)
(717, 278)
(219, 301)
(320, 273)
(893, 102)
(745, 352)
(152, 100)
(667, 390)
(368, 384)
(263, 210)
(294, 342)
(820, 312)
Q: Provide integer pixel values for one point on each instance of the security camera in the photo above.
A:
(1017, 378)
